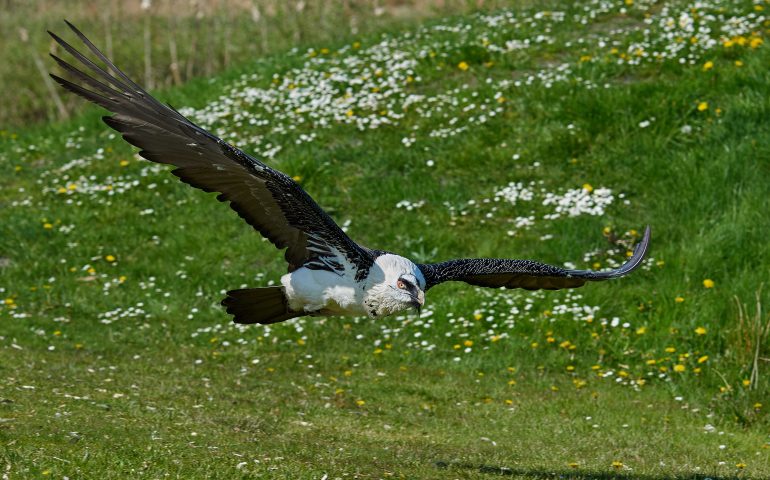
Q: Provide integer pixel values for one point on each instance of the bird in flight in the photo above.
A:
(329, 274)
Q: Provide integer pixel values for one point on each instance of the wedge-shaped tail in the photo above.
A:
(259, 305)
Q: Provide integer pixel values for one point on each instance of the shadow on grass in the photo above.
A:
(572, 474)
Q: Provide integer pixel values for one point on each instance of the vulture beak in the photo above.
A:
(418, 301)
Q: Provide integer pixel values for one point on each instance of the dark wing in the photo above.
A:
(527, 274)
(269, 200)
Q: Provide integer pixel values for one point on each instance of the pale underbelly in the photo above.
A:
(322, 292)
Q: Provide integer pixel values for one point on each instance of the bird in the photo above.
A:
(329, 274)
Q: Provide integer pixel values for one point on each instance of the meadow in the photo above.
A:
(554, 132)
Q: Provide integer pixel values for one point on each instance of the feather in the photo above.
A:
(526, 274)
(268, 200)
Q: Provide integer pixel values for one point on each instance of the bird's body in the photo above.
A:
(326, 293)
(329, 273)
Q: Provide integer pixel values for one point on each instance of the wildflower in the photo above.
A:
(300, 342)
(508, 402)
(477, 316)
(110, 258)
(746, 382)
(708, 66)
(740, 465)
(377, 351)
(511, 382)
(672, 349)
(124, 163)
(641, 330)
(463, 66)
(738, 63)
(757, 406)
(679, 368)
(588, 188)
(708, 283)
(348, 373)
(703, 359)
(756, 42)
(679, 299)
(617, 464)
(360, 403)
(703, 106)
(47, 226)
(570, 368)
(468, 343)
(297, 178)
(700, 331)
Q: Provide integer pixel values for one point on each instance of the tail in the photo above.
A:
(259, 305)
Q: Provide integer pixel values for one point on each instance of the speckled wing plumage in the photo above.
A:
(526, 274)
(267, 199)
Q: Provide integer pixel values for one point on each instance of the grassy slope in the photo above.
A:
(171, 388)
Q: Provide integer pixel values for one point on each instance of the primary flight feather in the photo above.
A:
(329, 274)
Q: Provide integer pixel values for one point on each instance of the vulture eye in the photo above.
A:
(400, 284)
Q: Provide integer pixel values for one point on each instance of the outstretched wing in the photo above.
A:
(267, 199)
(527, 274)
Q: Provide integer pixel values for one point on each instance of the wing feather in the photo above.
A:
(268, 200)
(526, 274)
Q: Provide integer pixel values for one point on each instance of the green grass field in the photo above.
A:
(551, 134)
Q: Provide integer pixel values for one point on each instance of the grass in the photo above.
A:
(173, 41)
(469, 136)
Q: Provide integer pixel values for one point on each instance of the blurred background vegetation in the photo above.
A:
(167, 42)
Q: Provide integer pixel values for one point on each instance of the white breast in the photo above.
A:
(320, 290)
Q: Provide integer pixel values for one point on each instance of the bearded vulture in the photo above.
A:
(329, 274)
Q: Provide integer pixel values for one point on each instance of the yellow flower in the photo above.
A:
(756, 42)
(509, 402)
(740, 465)
(588, 188)
(703, 359)
(297, 178)
(746, 382)
(700, 331)
(348, 373)
(377, 351)
(670, 349)
(679, 299)
(360, 403)
(110, 258)
(124, 163)
(738, 63)
(703, 106)
(300, 342)
(477, 316)
(757, 406)
(651, 361)
(534, 344)
(349, 113)
(708, 283)
(641, 330)
(511, 382)
(679, 368)
(47, 226)
(708, 66)
(570, 368)
(468, 343)
(617, 464)
(463, 66)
